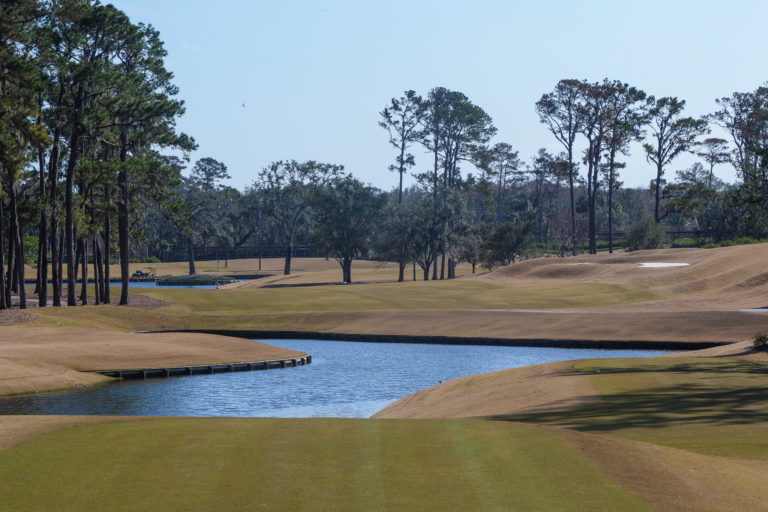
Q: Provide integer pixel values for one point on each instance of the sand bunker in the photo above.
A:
(662, 265)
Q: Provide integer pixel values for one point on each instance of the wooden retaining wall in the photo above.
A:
(173, 371)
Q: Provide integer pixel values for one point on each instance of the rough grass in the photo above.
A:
(319, 464)
(713, 406)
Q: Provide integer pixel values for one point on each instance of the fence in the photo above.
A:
(181, 252)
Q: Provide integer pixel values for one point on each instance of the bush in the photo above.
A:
(506, 243)
(30, 249)
(645, 234)
(151, 259)
(760, 341)
(684, 242)
(744, 240)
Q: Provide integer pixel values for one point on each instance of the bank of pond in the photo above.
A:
(346, 379)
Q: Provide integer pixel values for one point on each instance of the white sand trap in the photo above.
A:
(662, 265)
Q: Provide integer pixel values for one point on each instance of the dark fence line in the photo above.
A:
(181, 252)
(671, 232)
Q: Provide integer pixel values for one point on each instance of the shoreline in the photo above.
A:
(607, 344)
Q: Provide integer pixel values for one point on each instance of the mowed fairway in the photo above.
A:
(318, 464)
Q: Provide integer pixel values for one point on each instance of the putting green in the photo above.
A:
(305, 464)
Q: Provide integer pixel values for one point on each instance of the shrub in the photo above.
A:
(505, 244)
(151, 259)
(645, 234)
(684, 242)
(760, 341)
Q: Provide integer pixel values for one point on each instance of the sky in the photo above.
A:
(306, 80)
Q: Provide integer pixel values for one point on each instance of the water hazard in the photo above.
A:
(345, 379)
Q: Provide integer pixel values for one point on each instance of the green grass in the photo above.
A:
(708, 405)
(318, 464)
(278, 308)
(461, 294)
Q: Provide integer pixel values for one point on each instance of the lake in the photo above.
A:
(345, 379)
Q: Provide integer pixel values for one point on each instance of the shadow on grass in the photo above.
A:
(686, 404)
(698, 367)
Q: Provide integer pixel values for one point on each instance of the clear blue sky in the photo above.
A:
(314, 75)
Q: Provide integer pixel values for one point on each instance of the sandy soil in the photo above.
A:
(35, 358)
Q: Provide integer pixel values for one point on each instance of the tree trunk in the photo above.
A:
(191, 257)
(4, 304)
(69, 221)
(84, 263)
(442, 266)
(122, 220)
(401, 273)
(434, 268)
(10, 264)
(426, 271)
(288, 258)
(98, 285)
(107, 250)
(61, 266)
(658, 190)
(54, 238)
(402, 170)
(19, 246)
(611, 179)
(573, 202)
(78, 249)
(346, 266)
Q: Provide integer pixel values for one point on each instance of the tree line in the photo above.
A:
(482, 203)
(86, 106)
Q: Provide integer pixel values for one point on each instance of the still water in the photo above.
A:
(153, 284)
(345, 379)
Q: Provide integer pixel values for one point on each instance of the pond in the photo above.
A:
(345, 379)
(153, 284)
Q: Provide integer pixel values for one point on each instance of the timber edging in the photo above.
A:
(459, 340)
(173, 371)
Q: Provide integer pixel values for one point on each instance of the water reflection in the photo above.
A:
(345, 379)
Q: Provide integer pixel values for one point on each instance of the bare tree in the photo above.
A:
(671, 135)
(559, 111)
(403, 120)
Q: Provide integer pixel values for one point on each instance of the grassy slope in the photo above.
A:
(320, 464)
(276, 308)
(713, 406)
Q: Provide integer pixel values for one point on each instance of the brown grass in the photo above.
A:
(35, 358)
(540, 387)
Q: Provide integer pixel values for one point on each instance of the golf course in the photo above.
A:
(680, 432)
